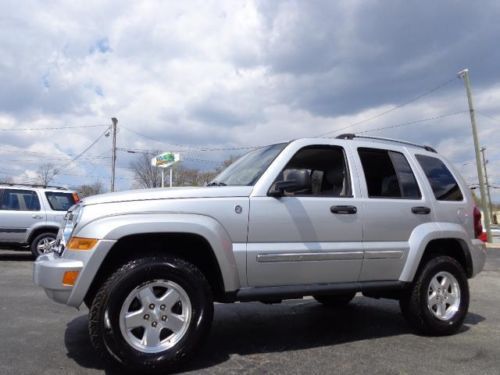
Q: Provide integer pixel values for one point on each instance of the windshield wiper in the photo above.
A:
(215, 183)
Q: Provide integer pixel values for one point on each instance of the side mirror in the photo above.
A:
(280, 187)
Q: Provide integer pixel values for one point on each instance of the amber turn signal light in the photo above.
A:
(70, 277)
(80, 243)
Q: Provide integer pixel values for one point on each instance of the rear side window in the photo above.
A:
(60, 201)
(442, 182)
(388, 174)
(19, 200)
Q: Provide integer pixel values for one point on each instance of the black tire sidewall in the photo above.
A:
(157, 269)
(435, 325)
(36, 240)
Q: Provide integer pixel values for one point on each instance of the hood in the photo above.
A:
(170, 193)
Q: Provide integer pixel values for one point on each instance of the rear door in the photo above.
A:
(394, 204)
(19, 210)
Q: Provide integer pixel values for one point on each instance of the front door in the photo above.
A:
(308, 236)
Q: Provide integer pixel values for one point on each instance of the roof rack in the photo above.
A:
(34, 185)
(352, 136)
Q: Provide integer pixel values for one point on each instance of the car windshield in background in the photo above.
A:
(60, 201)
(247, 170)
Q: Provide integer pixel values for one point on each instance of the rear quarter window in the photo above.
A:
(60, 201)
(442, 182)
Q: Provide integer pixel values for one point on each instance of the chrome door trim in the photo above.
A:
(383, 254)
(309, 256)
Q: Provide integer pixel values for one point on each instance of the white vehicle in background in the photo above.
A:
(30, 215)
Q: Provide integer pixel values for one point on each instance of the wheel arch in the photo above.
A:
(437, 238)
(39, 230)
(195, 238)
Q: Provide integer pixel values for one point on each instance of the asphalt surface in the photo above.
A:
(38, 336)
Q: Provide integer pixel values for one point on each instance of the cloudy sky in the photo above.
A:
(203, 75)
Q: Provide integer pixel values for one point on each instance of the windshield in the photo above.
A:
(247, 170)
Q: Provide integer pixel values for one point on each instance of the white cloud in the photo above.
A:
(226, 73)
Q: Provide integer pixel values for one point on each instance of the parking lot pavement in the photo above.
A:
(38, 336)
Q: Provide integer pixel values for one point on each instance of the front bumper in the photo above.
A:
(478, 255)
(48, 272)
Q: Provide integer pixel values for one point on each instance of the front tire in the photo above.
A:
(438, 300)
(151, 314)
(42, 244)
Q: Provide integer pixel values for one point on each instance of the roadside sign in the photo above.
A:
(166, 159)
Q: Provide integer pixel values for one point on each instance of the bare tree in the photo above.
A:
(146, 175)
(226, 163)
(191, 177)
(87, 190)
(6, 180)
(46, 173)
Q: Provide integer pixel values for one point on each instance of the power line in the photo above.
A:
(408, 123)
(51, 128)
(383, 113)
(83, 152)
(185, 148)
(488, 116)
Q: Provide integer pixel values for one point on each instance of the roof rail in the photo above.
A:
(352, 136)
(34, 185)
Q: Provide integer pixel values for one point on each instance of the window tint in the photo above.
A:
(60, 201)
(443, 184)
(388, 174)
(324, 169)
(19, 200)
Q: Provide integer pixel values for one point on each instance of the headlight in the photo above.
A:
(71, 220)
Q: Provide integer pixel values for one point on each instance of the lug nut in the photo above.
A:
(146, 316)
(151, 306)
(162, 307)
(164, 317)
(154, 324)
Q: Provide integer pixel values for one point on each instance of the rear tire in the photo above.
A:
(42, 244)
(438, 300)
(339, 300)
(151, 314)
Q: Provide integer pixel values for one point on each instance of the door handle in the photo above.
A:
(37, 217)
(421, 210)
(343, 210)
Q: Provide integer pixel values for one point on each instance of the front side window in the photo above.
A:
(247, 170)
(19, 200)
(60, 201)
(442, 182)
(322, 170)
(388, 174)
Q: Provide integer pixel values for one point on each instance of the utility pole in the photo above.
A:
(464, 74)
(113, 153)
(490, 208)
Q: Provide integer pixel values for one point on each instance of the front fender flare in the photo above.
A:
(112, 228)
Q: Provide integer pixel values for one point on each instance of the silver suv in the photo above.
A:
(326, 218)
(30, 215)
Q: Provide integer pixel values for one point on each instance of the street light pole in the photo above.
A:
(464, 74)
(113, 154)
